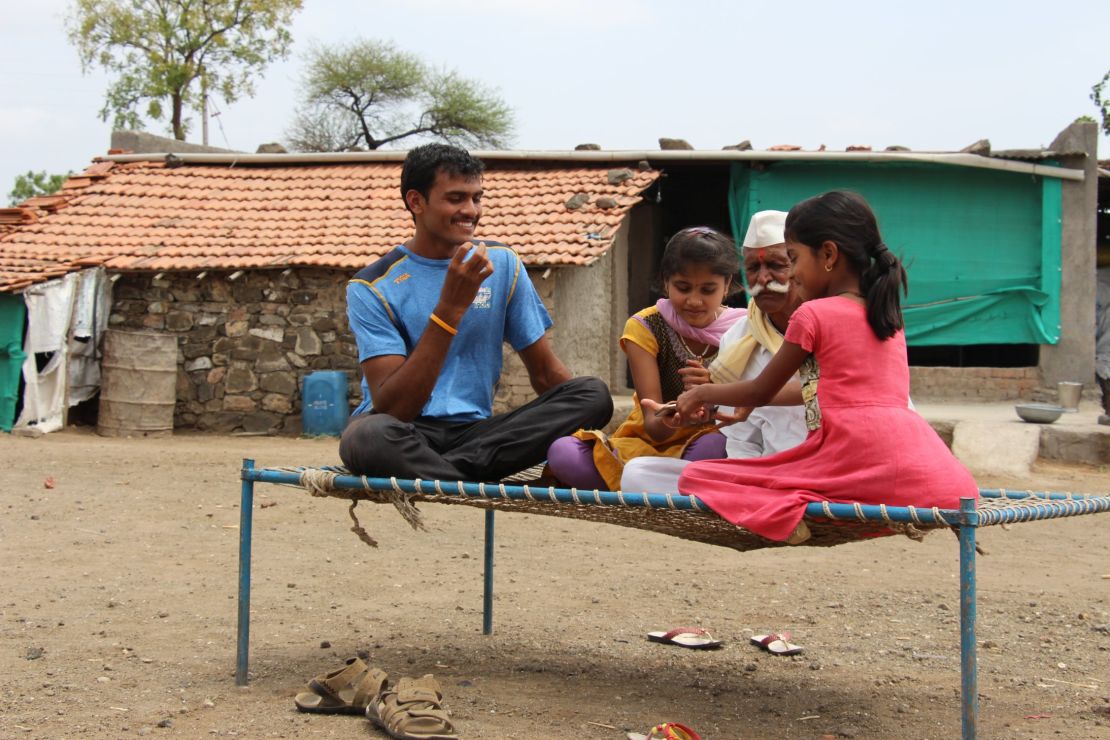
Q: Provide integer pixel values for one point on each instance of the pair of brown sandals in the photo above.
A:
(411, 709)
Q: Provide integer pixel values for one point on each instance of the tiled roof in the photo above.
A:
(154, 216)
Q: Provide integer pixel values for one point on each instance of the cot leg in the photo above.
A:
(487, 585)
(246, 514)
(969, 664)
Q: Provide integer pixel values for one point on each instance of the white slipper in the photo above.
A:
(687, 637)
(777, 643)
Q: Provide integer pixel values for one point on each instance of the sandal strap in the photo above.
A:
(424, 689)
(400, 720)
(672, 731)
(438, 714)
(417, 694)
(332, 683)
(413, 705)
(370, 686)
(426, 681)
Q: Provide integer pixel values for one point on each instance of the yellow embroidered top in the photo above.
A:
(648, 330)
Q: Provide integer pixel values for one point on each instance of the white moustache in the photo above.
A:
(773, 286)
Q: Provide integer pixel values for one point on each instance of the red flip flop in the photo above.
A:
(694, 638)
(666, 731)
(777, 643)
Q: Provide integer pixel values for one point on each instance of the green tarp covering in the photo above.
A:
(12, 315)
(982, 247)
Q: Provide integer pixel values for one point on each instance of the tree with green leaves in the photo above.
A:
(168, 54)
(35, 183)
(1101, 97)
(367, 94)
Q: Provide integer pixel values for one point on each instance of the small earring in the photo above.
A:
(828, 267)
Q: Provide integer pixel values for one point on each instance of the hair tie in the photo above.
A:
(883, 256)
(700, 231)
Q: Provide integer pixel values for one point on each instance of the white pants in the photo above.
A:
(652, 474)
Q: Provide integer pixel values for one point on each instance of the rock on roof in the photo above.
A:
(166, 216)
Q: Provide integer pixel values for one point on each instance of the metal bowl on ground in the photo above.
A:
(1039, 413)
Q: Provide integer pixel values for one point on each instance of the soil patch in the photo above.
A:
(118, 573)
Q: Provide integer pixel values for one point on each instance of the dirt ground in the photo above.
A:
(118, 571)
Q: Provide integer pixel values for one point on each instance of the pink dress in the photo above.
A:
(864, 444)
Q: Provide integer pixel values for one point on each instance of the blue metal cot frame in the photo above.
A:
(967, 519)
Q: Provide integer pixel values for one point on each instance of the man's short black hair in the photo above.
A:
(424, 162)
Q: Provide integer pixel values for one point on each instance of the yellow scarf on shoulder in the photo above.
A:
(733, 360)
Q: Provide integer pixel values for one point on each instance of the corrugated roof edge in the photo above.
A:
(957, 159)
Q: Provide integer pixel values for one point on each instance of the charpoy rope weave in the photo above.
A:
(680, 516)
(657, 512)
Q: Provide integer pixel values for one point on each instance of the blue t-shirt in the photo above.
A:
(388, 306)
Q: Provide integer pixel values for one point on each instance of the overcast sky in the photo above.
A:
(932, 75)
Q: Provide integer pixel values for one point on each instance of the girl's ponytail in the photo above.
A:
(881, 281)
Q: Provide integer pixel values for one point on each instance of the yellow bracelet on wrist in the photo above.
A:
(444, 325)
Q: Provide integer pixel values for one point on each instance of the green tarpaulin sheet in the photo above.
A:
(982, 247)
(12, 316)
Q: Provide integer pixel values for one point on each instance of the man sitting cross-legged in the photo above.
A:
(430, 318)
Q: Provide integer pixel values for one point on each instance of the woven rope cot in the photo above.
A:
(825, 524)
(680, 516)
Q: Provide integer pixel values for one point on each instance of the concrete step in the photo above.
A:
(990, 438)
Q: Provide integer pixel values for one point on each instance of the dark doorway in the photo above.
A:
(692, 194)
(976, 355)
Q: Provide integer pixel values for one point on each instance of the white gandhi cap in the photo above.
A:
(766, 229)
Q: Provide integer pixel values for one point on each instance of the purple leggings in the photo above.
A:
(572, 461)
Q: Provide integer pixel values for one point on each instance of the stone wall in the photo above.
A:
(975, 383)
(245, 345)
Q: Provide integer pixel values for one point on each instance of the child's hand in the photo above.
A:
(692, 411)
(666, 413)
(739, 414)
(693, 374)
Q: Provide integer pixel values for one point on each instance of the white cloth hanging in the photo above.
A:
(49, 311)
(90, 320)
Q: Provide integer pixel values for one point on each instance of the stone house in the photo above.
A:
(245, 258)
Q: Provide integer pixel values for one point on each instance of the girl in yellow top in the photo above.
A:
(667, 345)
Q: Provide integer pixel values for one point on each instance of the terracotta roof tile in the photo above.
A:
(146, 216)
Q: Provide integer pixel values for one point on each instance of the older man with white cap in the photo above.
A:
(746, 348)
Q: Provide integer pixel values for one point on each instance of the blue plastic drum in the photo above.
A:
(324, 403)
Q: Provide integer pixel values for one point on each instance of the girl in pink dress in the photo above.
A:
(864, 444)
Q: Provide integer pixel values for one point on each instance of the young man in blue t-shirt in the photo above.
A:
(429, 319)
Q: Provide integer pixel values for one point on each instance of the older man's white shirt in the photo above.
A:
(769, 429)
